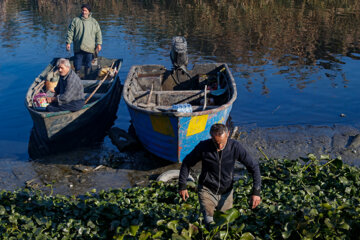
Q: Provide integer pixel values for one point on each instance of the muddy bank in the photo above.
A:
(80, 171)
(296, 141)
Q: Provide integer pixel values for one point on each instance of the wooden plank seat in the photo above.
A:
(153, 107)
(167, 98)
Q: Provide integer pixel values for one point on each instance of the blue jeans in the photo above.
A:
(81, 58)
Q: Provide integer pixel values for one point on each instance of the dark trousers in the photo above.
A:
(72, 106)
(82, 58)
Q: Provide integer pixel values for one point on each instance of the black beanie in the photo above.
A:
(87, 6)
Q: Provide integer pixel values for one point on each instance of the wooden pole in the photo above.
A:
(101, 82)
(205, 98)
(150, 94)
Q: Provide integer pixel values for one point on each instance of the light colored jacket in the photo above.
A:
(85, 33)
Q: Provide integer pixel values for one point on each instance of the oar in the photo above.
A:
(101, 82)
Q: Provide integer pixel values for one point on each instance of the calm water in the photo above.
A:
(293, 63)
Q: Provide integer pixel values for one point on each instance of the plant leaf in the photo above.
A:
(133, 229)
(247, 236)
(173, 225)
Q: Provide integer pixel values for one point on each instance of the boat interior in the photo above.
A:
(206, 86)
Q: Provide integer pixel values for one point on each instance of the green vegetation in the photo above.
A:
(316, 200)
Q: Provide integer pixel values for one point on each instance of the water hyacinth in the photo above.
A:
(316, 200)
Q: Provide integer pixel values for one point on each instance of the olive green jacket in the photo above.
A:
(85, 33)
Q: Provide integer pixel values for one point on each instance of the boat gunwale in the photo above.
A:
(179, 114)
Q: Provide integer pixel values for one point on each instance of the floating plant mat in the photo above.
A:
(318, 199)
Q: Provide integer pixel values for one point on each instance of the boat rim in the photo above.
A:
(180, 114)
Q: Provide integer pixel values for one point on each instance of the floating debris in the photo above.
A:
(83, 169)
(98, 167)
(234, 132)
(355, 142)
(33, 183)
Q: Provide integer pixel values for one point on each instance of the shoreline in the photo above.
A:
(80, 171)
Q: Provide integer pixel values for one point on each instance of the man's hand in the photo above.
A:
(184, 194)
(67, 47)
(98, 48)
(254, 201)
(50, 99)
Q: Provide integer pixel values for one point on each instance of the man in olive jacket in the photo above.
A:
(84, 31)
(218, 156)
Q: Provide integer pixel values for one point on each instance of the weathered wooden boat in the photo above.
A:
(152, 94)
(57, 131)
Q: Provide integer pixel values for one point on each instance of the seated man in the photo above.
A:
(69, 92)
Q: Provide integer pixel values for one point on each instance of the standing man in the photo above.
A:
(69, 92)
(218, 156)
(85, 32)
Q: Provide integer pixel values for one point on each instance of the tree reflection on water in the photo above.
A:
(299, 37)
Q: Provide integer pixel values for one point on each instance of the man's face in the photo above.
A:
(63, 70)
(220, 141)
(85, 12)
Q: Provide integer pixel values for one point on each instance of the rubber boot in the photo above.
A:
(87, 73)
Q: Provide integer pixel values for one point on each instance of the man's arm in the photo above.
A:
(98, 37)
(190, 160)
(253, 167)
(70, 34)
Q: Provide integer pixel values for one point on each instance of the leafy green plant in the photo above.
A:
(316, 199)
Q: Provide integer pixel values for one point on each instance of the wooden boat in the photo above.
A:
(57, 131)
(151, 91)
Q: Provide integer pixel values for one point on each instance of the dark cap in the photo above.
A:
(87, 6)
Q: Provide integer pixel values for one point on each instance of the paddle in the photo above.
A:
(101, 82)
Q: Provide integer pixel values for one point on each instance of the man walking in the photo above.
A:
(218, 156)
(84, 31)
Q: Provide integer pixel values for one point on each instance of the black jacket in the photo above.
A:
(218, 167)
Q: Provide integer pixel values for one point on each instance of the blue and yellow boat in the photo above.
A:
(153, 93)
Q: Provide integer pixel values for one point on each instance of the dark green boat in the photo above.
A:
(58, 131)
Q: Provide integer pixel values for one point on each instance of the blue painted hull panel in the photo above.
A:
(173, 148)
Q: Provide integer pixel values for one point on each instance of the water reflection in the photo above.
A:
(279, 52)
(298, 37)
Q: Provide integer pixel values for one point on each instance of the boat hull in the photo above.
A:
(171, 137)
(164, 132)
